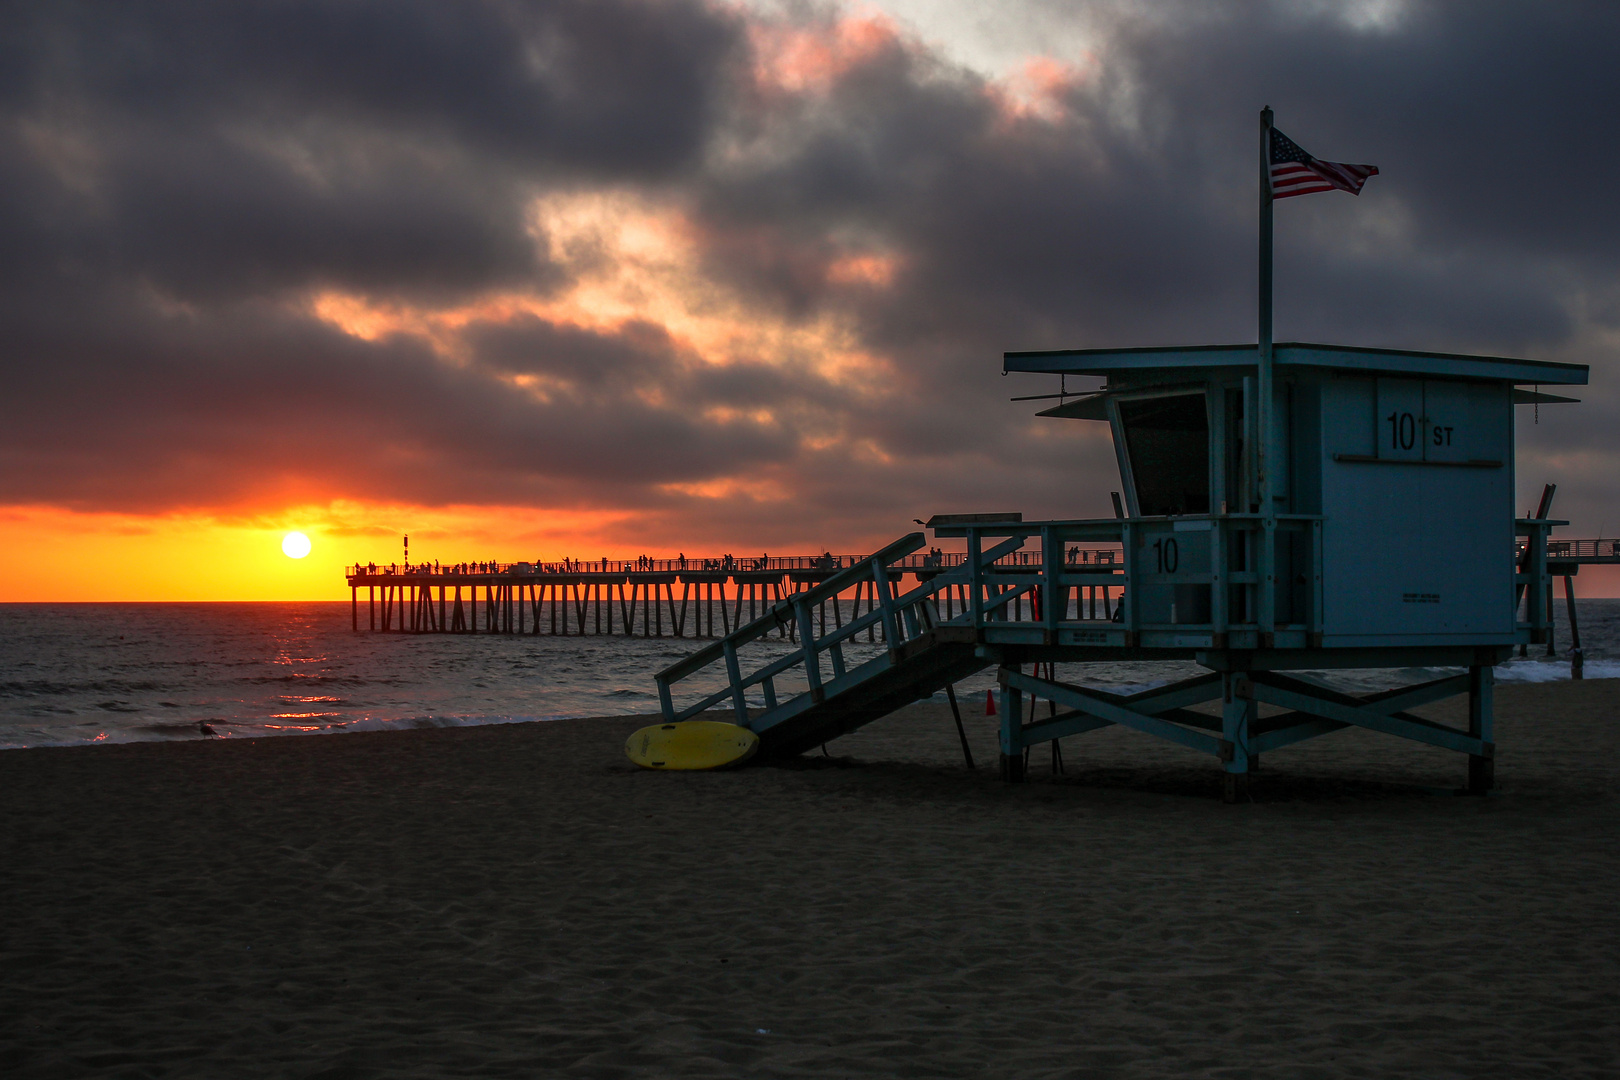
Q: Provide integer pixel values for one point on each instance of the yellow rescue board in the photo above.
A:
(691, 744)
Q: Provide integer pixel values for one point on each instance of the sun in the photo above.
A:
(295, 545)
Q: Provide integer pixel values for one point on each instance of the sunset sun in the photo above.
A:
(295, 545)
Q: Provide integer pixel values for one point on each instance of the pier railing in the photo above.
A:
(827, 564)
(1601, 550)
(1590, 551)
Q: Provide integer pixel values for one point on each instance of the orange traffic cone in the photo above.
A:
(989, 703)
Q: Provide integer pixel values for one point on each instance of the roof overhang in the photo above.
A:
(1297, 354)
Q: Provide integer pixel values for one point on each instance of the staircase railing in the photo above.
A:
(819, 661)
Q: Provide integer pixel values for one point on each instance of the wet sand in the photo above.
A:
(520, 901)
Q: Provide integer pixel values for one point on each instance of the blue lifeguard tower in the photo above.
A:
(1287, 507)
(1388, 541)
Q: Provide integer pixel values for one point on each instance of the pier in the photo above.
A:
(707, 597)
(686, 597)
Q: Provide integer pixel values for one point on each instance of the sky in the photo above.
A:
(604, 278)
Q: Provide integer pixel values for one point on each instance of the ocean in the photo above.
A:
(76, 674)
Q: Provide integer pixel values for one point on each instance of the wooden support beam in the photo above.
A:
(1395, 723)
(956, 713)
(1062, 725)
(1275, 732)
(1239, 711)
(1012, 725)
(1577, 661)
(1133, 711)
(807, 637)
(1552, 650)
(734, 672)
(1481, 726)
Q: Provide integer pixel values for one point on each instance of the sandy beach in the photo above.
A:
(520, 901)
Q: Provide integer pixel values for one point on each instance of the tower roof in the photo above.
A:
(1298, 354)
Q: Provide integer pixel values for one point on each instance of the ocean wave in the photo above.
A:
(1538, 671)
(25, 739)
(56, 688)
(315, 680)
(175, 729)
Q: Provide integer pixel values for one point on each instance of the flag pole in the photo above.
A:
(1262, 457)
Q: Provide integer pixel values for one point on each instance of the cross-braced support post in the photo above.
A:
(1012, 724)
(1239, 711)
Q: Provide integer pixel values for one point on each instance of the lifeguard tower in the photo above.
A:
(1388, 542)
(1287, 507)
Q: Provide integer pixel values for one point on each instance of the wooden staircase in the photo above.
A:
(814, 693)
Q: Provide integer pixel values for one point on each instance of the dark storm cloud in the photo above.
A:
(174, 178)
(304, 400)
(239, 148)
(1129, 219)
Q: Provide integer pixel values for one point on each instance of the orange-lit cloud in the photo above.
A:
(1038, 90)
(797, 59)
(628, 261)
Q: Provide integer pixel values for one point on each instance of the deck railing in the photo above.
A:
(1191, 576)
(1177, 582)
(1184, 583)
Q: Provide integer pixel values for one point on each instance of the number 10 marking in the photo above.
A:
(1403, 432)
(1169, 554)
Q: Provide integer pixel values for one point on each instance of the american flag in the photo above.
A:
(1294, 172)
